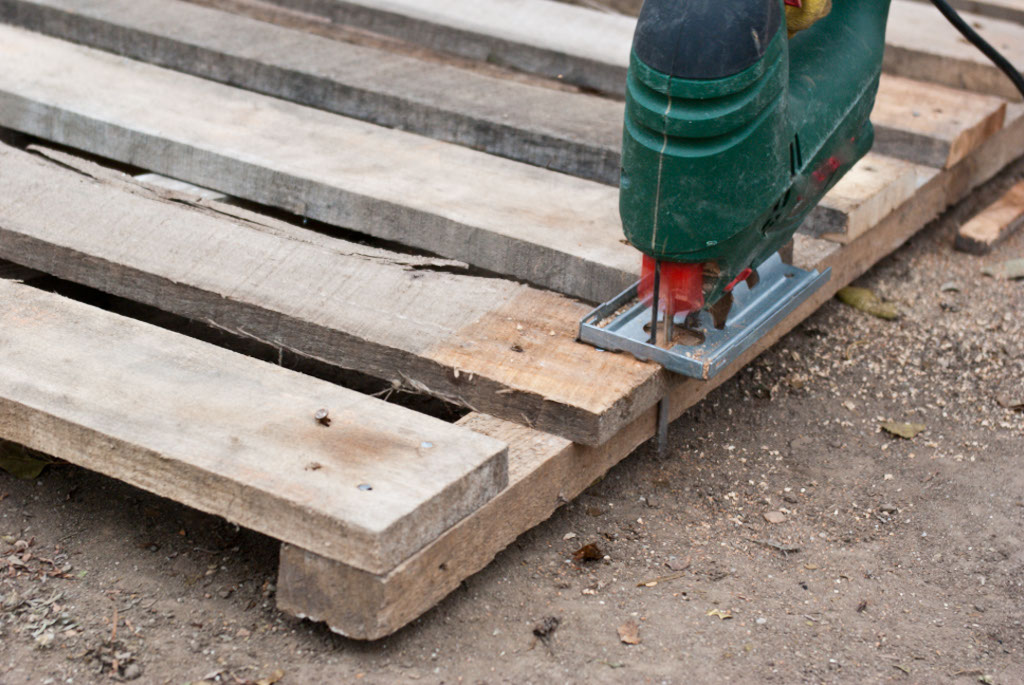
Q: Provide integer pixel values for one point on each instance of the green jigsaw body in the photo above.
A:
(724, 170)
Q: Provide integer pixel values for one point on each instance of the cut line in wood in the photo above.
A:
(234, 436)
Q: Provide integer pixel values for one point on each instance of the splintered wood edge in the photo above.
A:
(546, 471)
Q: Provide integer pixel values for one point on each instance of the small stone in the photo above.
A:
(45, 641)
(132, 671)
(774, 517)
(761, 620)
(569, 536)
(20, 546)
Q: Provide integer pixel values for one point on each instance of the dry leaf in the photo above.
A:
(272, 678)
(903, 430)
(590, 552)
(629, 632)
(720, 614)
(866, 301)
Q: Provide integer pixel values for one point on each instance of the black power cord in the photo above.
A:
(980, 43)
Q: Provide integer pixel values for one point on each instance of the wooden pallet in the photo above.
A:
(507, 179)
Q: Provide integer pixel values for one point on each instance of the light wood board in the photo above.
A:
(546, 471)
(235, 436)
(931, 124)
(993, 224)
(487, 343)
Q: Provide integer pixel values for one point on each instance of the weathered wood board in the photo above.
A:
(993, 224)
(487, 343)
(920, 43)
(235, 436)
(529, 35)
(547, 228)
(931, 124)
(563, 131)
(545, 471)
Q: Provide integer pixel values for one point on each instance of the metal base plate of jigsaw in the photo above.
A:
(617, 326)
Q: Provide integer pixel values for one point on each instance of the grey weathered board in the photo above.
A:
(920, 42)
(547, 228)
(529, 35)
(564, 131)
(487, 343)
(235, 436)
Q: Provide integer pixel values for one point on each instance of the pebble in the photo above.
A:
(761, 620)
(774, 517)
(132, 671)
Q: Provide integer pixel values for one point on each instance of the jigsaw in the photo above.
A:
(740, 116)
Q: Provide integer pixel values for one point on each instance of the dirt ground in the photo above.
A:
(898, 560)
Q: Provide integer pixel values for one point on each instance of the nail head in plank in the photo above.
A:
(235, 436)
(993, 224)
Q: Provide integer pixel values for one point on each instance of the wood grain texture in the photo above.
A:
(234, 436)
(872, 190)
(511, 218)
(993, 224)
(487, 343)
(366, 606)
(921, 44)
(931, 124)
(563, 131)
(529, 35)
(567, 132)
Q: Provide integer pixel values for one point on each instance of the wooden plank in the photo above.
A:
(545, 472)
(546, 228)
(993, 224)
(869, 192)
(234, 436)
(921, 44)
(562, 131)
(529, 35)
(1008, 10)
(490, 344)
(931, 124)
